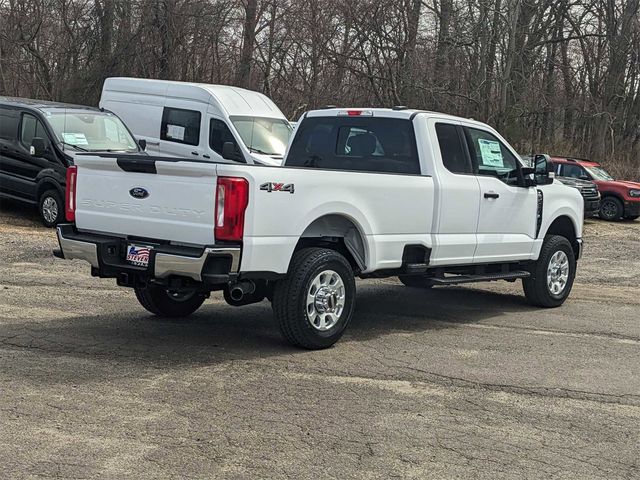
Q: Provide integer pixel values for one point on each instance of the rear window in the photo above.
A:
(369, 144)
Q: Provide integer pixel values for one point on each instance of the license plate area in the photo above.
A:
(138, 255)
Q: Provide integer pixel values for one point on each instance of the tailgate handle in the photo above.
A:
(137, 165)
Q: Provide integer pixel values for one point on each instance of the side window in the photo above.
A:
(491, 156)
(180, 126)
(219, 134)
(574, 171)
(31, 128)
(452, 149)
(9, 120)
(27, 130)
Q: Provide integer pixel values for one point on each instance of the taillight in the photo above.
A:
(232, 198)
(70, 194)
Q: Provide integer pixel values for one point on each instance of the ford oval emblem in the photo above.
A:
(138, 192)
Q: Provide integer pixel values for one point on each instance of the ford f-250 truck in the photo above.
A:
(427, 197)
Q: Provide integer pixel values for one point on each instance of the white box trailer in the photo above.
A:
(196, 120)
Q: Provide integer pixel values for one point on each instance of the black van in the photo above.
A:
(38, 141)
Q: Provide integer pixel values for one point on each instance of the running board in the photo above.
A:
(458, 279)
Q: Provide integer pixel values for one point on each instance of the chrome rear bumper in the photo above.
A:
(107, 257)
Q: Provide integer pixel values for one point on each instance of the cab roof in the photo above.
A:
(396, 112)
(43, 105)
(581, 161)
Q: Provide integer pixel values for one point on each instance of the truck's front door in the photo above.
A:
(508, 211)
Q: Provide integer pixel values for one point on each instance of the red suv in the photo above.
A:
(620, 199)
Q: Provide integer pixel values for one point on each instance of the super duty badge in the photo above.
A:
(278, 187)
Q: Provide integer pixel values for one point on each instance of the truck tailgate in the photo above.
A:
(139, 197)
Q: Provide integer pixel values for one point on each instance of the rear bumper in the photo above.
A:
(215, 264)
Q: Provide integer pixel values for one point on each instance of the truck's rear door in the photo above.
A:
(146, 197)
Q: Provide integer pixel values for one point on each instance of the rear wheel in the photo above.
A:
(314, 303)
(552, 275)
(169, 303)
(415, 281)
(611, 208)
(51, 208)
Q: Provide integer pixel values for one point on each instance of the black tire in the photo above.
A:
(51, 208)
(536, 287)
(164, 303)
(415, 281)
(611, 209)
(631, 218)
(290, 298)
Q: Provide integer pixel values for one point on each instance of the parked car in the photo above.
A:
(38, 141)
(427, 197)
(587, 188)
(620, 198)
(195, 120)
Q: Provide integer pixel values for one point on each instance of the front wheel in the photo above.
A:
(552, 274)
(169, 303)
(611, 208)
(51, 208)
(314, 303)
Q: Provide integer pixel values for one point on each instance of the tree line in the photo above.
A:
(559, 76)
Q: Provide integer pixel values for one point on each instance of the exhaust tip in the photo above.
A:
(236, 294)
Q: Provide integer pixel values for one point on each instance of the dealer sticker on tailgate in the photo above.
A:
(138, 255)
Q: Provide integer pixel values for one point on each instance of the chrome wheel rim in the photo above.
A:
(325, 300)
(50, 209)
(558, 273)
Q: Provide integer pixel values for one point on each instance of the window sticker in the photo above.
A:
(74, 138)
(491, 153)
(176, 132)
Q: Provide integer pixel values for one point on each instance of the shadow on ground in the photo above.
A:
(20, 214)
(218, 333)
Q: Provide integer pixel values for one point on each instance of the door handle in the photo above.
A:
(491, 195)
(195, 153)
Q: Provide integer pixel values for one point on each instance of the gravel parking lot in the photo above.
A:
(451, 383)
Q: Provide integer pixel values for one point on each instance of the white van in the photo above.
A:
(196, 120)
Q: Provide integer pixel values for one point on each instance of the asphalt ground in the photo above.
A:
(450, 383)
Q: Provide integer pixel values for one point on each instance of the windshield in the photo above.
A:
(269, 136)
(599, 173)
(91, 131)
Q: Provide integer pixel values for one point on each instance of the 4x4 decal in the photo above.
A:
(278, 187)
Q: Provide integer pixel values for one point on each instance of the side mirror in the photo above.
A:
(544, 169)
(230, 152)
(527, 179)
(143, 144)
(39, 147)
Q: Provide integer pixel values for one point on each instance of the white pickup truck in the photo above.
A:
(429, 198)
